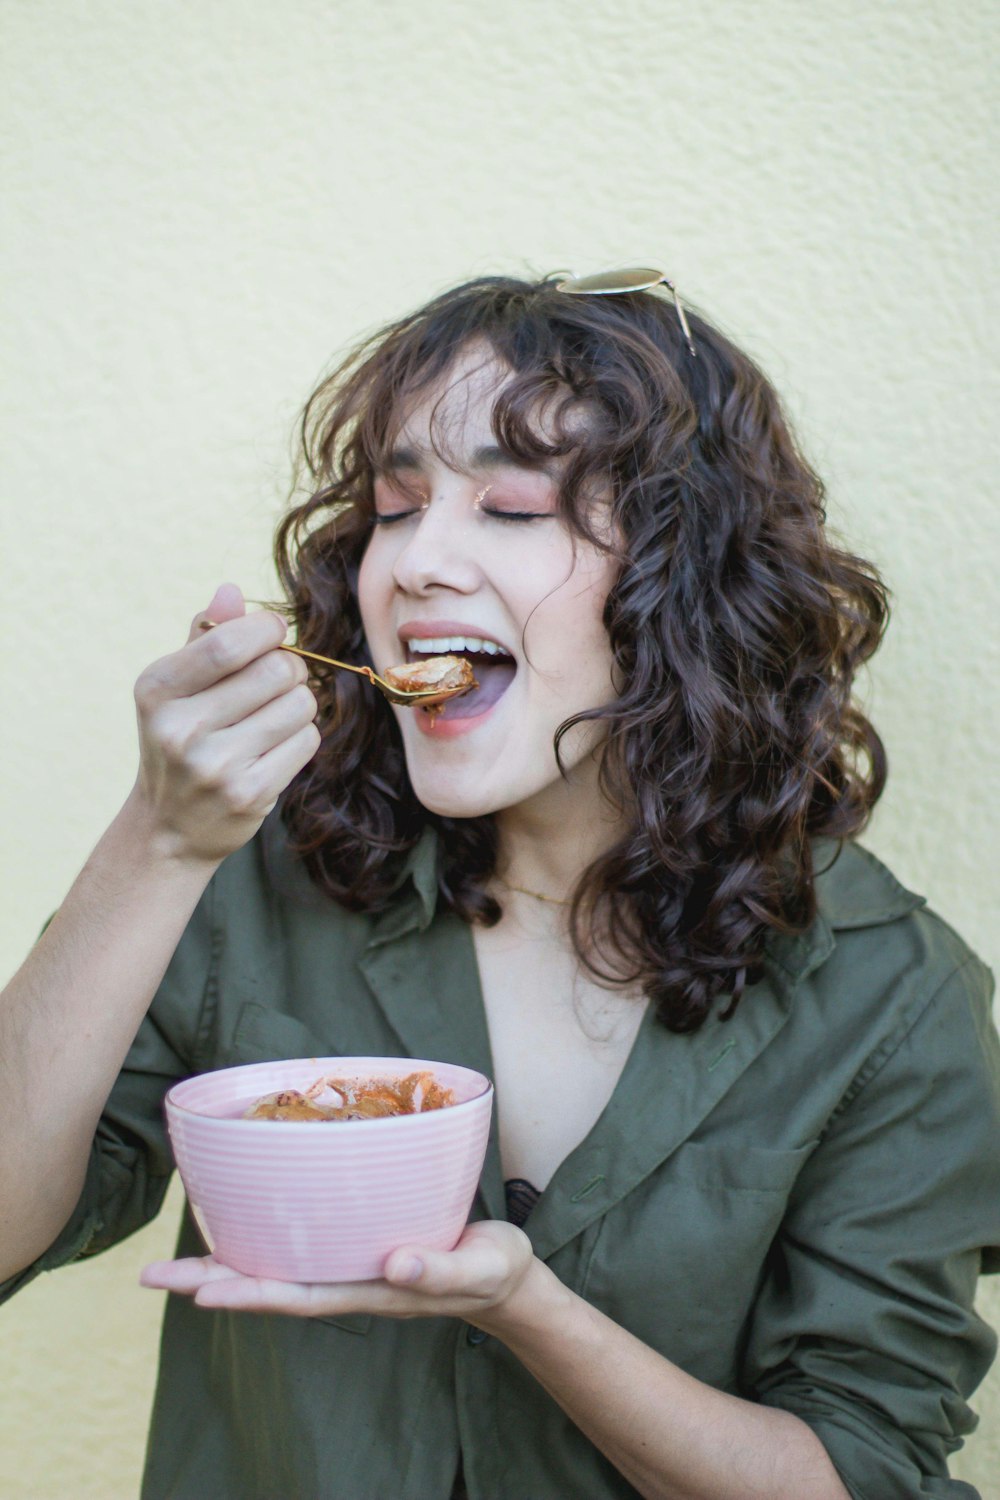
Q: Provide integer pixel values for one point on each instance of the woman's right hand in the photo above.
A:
(224, 725)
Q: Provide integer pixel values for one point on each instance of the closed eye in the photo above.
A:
(384, 519)
(399, 515)
(516, 515)
(412, 499)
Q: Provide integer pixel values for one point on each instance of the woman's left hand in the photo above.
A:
(474, 1281)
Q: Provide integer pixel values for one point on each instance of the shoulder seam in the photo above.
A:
(891, 1044)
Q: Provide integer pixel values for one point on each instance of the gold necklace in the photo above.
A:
(523, 890)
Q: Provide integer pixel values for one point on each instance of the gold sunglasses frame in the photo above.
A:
(627, 279)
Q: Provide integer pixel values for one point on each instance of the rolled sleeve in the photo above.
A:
(74, 1240)
(865, 1326)
(131, 1161)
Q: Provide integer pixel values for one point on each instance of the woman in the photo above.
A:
(746, 1084)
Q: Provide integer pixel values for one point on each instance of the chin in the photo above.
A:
(467, 793)
(452, 802)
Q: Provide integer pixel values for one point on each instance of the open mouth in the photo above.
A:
(492, 666)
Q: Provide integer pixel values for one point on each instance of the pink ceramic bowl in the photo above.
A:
(326, 1200)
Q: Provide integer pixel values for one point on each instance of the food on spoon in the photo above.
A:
(445, 674)
(354, 1099)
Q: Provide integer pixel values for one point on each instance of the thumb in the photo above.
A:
(226, 604)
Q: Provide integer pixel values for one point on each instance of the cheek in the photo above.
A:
(566, 639)
(374, 586)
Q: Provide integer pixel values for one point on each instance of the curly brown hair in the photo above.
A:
(736, 627)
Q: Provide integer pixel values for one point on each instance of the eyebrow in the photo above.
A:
(488, 457)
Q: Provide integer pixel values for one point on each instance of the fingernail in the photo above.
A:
(410, 1269)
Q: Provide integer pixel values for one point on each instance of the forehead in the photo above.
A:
(453, 416)
(481, 414)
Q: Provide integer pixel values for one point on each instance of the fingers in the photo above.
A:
(228, 727)
(214, 1285)
(277, 767)
(484, 1260)
(261, 784)
(488, 1264)
(269, 726)
(225, 723)
(210, 656)
(404, 1267)
(437, 1273)
(269, 678)
(262, 1294)
(243, 788)
(227, 603)
(185, 1275)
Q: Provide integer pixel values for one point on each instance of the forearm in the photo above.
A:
(69, 1015)
(673, 1437)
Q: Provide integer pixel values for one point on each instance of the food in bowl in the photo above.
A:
(281, 1198)
(354, 1099)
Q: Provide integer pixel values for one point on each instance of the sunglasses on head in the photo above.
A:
(630, 279)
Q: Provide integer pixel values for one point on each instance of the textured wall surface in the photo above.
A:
(206, 201)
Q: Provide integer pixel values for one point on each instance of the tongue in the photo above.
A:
(494, 679)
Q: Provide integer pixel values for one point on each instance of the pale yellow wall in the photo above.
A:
(206, 199)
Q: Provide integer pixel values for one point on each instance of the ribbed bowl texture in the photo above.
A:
(326, 1200)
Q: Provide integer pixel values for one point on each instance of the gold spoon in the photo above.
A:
(417, 698)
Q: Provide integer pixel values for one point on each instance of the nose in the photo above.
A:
(439, 551)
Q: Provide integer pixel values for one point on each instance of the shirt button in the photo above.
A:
(476, 1335)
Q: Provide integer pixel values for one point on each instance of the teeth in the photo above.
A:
(444, 645)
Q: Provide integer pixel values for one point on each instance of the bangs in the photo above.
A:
(532, 417)
(586, 390)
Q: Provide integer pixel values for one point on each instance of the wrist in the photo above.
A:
(537, 1301)
(155, 845)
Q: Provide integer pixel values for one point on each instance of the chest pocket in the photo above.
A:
(263, 1035)
(679, 1260)
(736, 1168)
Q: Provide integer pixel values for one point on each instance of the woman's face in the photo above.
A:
(474, 559)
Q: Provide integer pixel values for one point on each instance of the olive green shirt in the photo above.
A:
(793, 1205)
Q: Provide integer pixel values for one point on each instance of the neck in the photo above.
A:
(547, 842)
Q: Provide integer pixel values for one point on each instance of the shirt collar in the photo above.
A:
(853, 889)
(414, 898)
